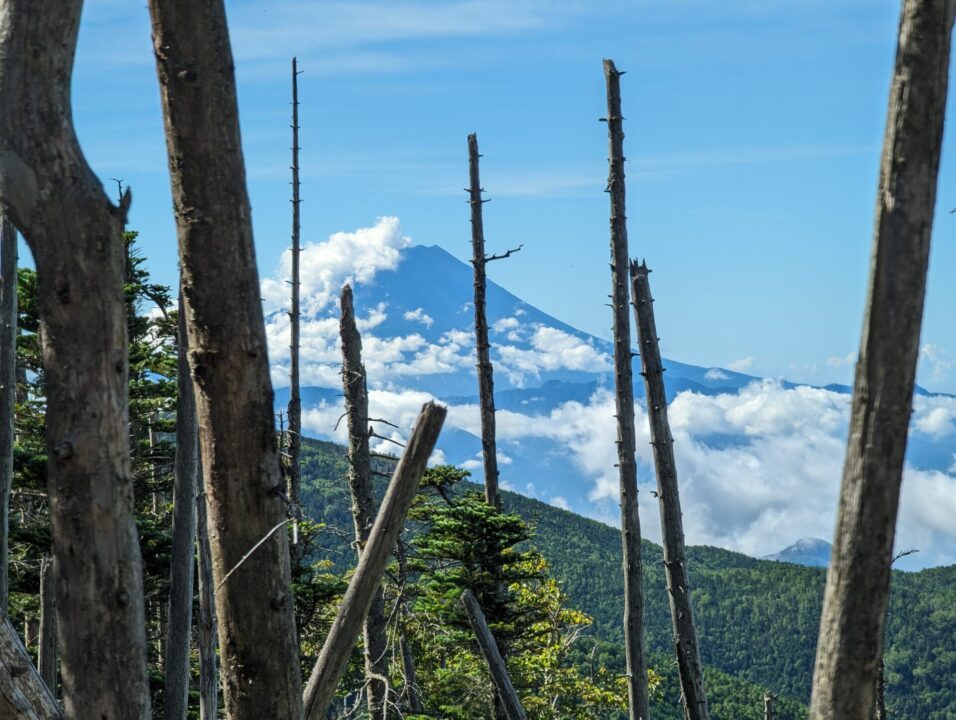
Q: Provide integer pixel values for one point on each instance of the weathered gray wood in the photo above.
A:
(207, 630)
(47, 655)
(857, 590)
(294, 484)
(624, 406)
(228, 362)
(181, 560)
(768, 699)
(74, 232)
(363, 500)
(486, 383)
(23, 694)
(668, 496)
(8, 395)
(371, 566)
(510, 701)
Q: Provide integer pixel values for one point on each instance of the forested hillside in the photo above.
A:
(757, 619)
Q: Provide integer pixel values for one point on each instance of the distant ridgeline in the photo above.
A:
(757, 619)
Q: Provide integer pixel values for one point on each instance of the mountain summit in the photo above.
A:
(812, 552)
(759, 460)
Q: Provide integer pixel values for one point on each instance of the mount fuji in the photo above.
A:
(760, 460)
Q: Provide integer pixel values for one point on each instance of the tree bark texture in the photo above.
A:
(47, 655)
(363, 500)
(624, 386)
(23, 694)
(182, 563)
(486, 383)
(8, 394)
(228, 361)
(206, 637)
(857, 589)
(496, 664)
(295, 401)
(371, 566)
(668, 495)
(75, 234)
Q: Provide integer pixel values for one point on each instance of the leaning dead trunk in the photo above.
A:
(624, 405)
(23, 694)
(857, 589)
(295, 402)
(8, 383)
(486, 384)
(181, 556)
(668, 495)
(228, 361)
(46, 656)
(496, 664)
(74, 232)
(363, 500)
(367, 578)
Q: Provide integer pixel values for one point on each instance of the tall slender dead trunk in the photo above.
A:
(857, 590)
(8, 394)
(23, 694)
(624, 406)
(181, 560)
(295, 401)
(74, 232)
(486, 383)
(46, 657)
(363, 500)
(228, 361)
(510, 701)
(668, 495)
(367, 578)
(410, 694)
(768, 699)
(207, 631)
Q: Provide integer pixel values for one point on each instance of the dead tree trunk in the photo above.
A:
(74, 232)
(23, 694)
(294, 488)
(181, 565)
(8, 395)
(363, 500)
(410, 694)
(486, 383)
(768, 699)
(371, 566)
(228, 361)
(672, 526)
(206, 637)
(857, 590)
(496, 664)
(46, 657)
(624, 405)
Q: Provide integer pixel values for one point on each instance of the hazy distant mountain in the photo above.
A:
(760, 460)
(812, 552)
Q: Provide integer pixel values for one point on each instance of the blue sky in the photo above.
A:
(753, 133)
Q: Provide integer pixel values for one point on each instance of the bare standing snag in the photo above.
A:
(75, 233)
(857, 590)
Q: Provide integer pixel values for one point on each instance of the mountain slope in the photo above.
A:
(759, 460)
(757, 619)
